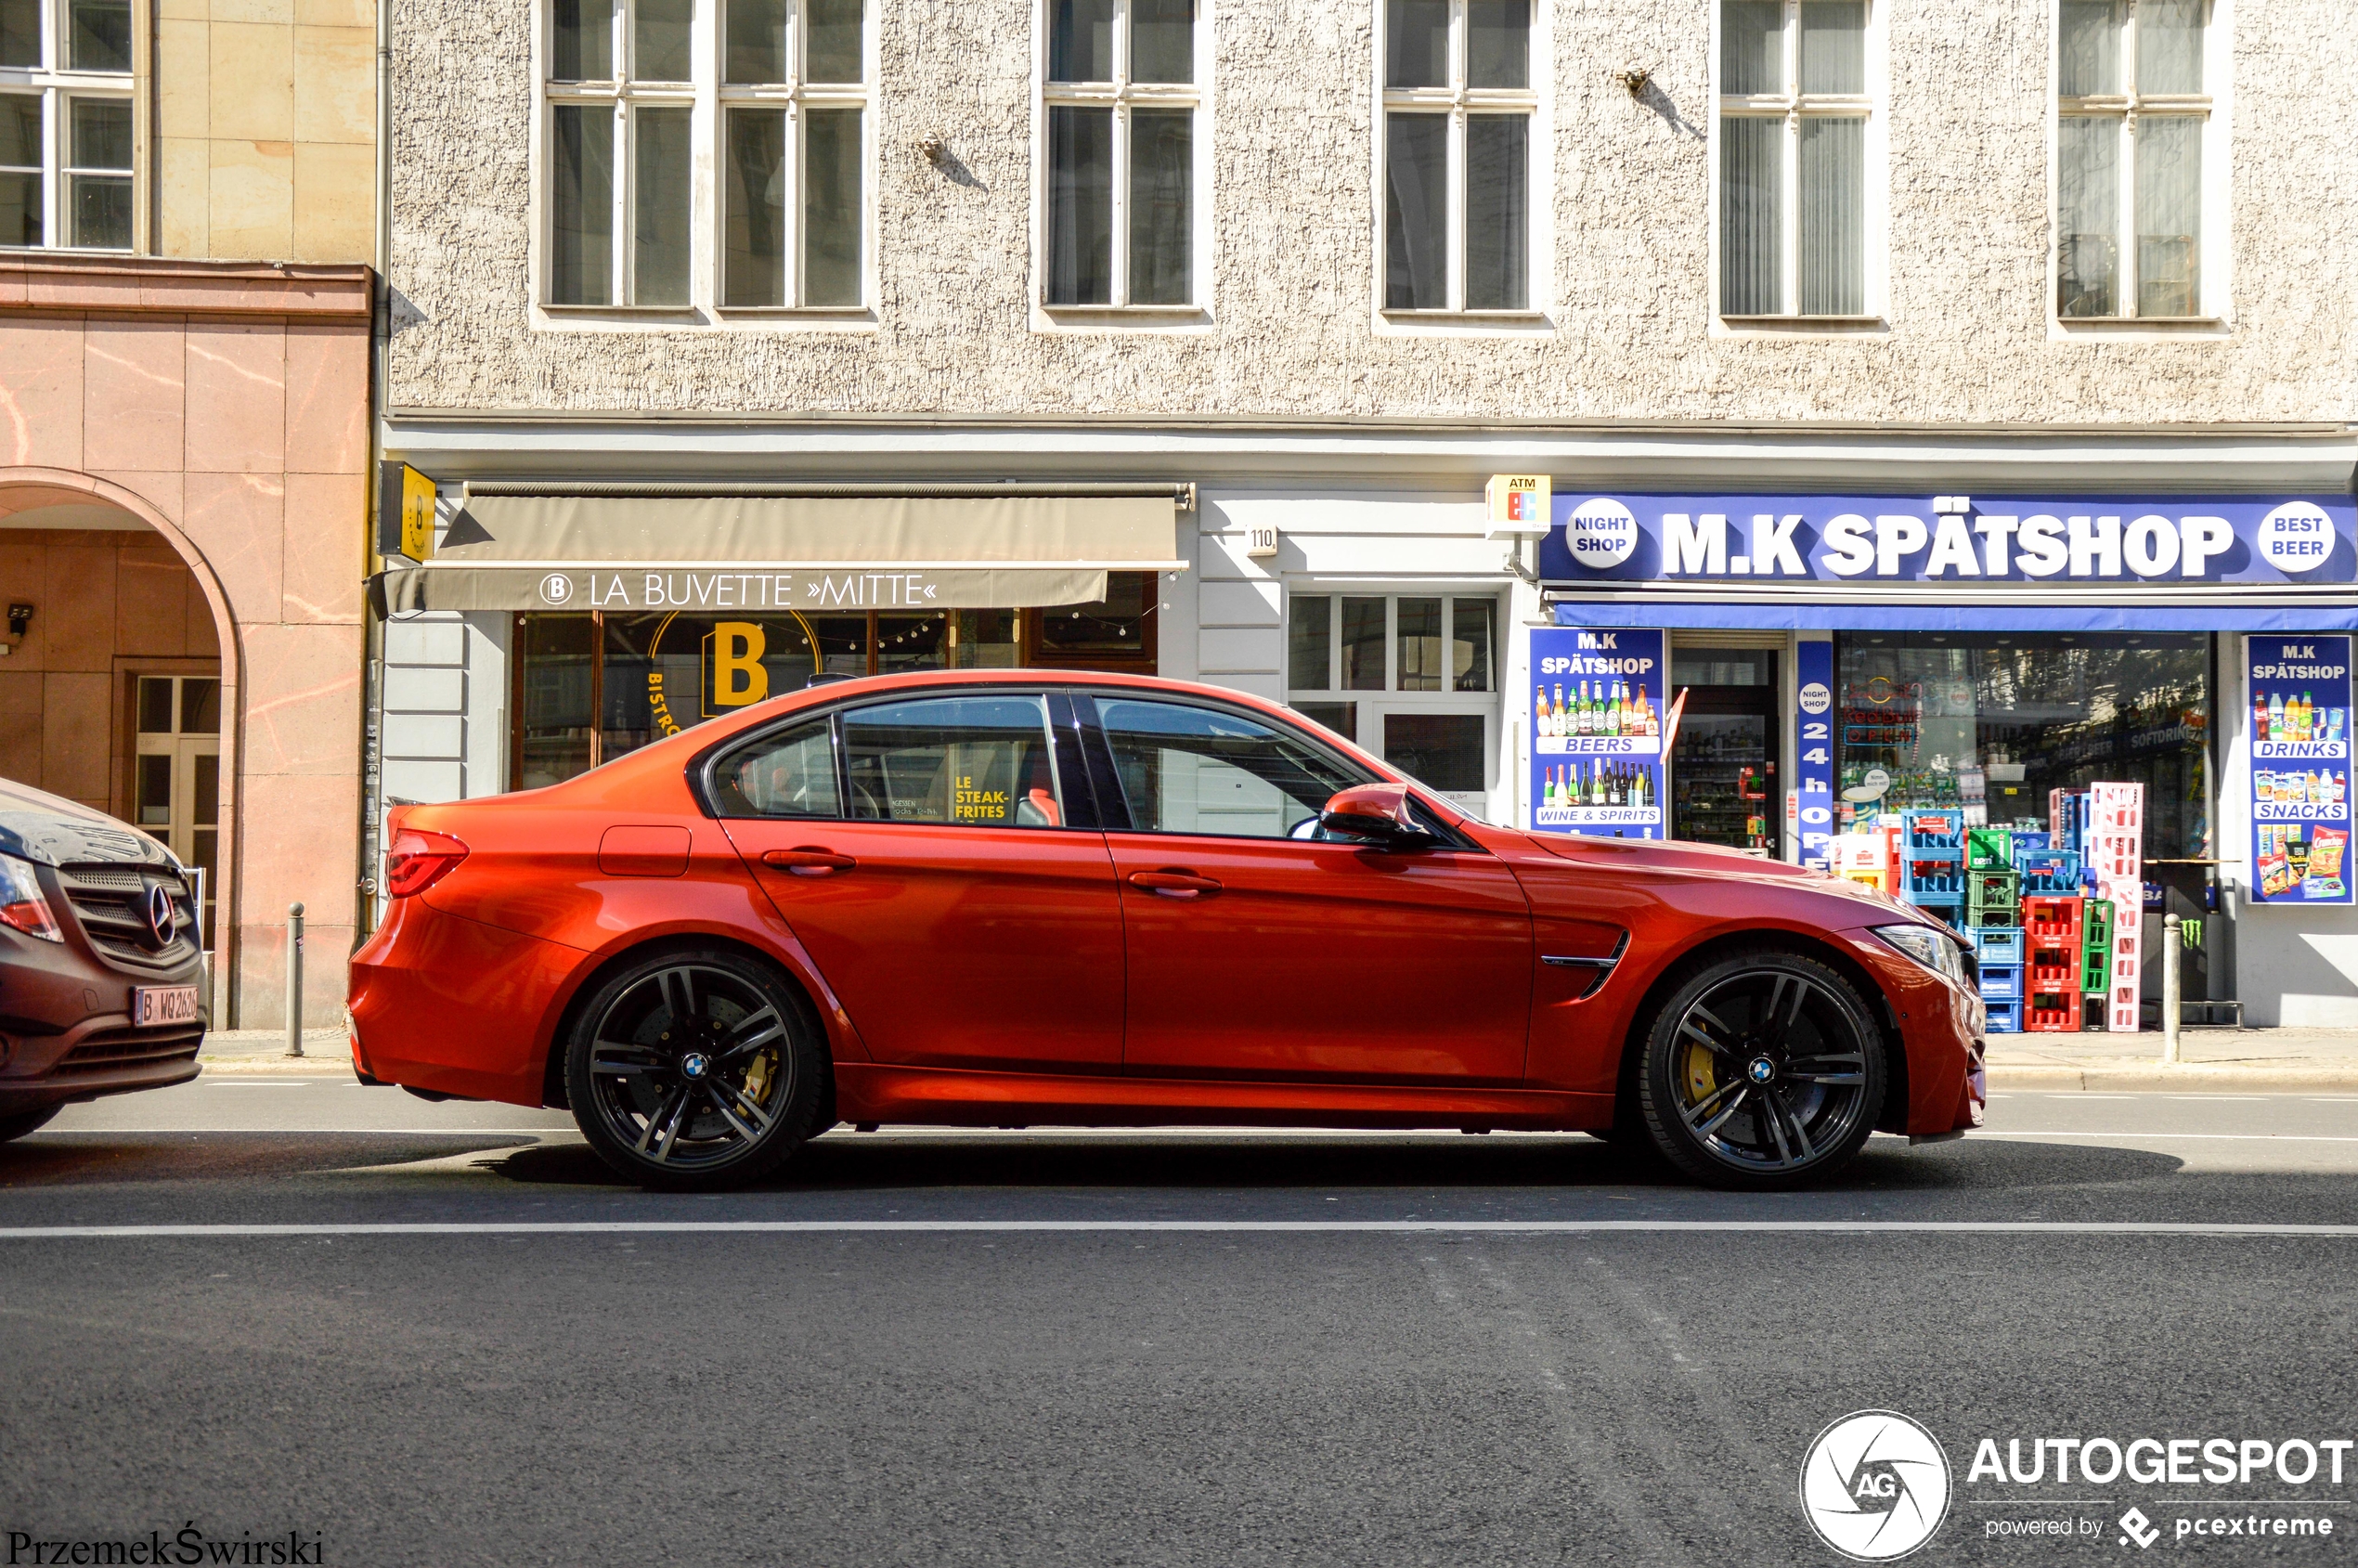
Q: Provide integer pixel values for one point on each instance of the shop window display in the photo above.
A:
(1992, 723)
(593, 686)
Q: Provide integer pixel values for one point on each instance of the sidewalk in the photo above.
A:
(2247, 1060)
(326, 1052)
(2251, 1060)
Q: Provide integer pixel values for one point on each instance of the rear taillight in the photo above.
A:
(23, 906)
(418, 860)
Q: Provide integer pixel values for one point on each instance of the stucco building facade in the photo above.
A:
(1322, 274)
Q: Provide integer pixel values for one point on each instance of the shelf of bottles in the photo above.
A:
(1614, 722)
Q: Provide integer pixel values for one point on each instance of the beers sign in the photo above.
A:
(1596, 714)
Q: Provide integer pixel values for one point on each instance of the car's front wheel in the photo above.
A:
(1763, 1070)
(695, 1070)
(23, 1122)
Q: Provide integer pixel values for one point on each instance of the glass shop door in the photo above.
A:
(1723, 769)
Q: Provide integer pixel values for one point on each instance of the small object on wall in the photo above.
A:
(1261, 543)
(1634, 78)
(937, 152)
(20, 623)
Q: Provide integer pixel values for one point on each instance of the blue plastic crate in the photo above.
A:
(1934, 882)
(2027, 839)
(2002, 982)
(2050, 872)
(1933, 836)
(2001, 945)
(2001, 1017)
(2075, 813)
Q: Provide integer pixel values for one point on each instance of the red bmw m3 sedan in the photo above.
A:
(1022, 897)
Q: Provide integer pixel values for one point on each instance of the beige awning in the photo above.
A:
(757, 552)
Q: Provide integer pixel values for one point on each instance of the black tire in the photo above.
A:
(1762, 1071)
(18, 1125)
(692, 1070)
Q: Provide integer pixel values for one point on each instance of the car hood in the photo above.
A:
(36, 825)
(1639, 856)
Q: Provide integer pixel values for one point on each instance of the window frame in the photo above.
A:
(57, 84)
(1122, 96)
(796, 97)
(707, 99)
(1457, 102)
(1790, 108)
(1371, 706)
(2213, 255)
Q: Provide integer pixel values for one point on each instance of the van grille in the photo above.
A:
(107, 1049)
(110, 901)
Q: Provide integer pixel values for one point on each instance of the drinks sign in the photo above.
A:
(1595, 711)
(2300, 816)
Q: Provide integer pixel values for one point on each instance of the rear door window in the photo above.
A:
(964, 761)
(783, 773)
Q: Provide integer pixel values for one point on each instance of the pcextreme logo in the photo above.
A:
(1874, 1486)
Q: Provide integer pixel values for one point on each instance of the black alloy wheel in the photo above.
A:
(696, 1069)
(1763, 1071)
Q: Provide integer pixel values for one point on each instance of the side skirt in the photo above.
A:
(875, 1092)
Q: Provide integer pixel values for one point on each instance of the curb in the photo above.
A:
(276, 1065)
(2184, 1078)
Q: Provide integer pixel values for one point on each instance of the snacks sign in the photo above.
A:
(2300, 703)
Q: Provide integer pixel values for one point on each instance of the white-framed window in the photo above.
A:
(2133, 116)
(1798, 147)
(794, 96)
(680, 175)
(1456, 148)
(1411, 677)
(1120, 96)
(65, 124)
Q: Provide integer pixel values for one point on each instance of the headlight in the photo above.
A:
(23, 904)
(1927, 947)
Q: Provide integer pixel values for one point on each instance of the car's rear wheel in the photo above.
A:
(24, 1121)
(696, 1069)
(1763, 1070)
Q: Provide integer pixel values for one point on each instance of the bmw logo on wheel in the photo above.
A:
(694, 1064)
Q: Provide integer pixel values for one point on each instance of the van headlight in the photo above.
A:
(1927, 947)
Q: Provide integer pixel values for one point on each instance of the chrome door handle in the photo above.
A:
(1173, 883)
(809, 859)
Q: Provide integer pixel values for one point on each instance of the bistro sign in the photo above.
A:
(1951, 539)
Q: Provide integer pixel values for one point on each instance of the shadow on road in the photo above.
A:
(853, 1162)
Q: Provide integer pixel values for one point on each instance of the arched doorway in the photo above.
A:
(117, 683)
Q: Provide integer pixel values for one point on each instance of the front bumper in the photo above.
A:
(103, 1055)
(1941, 1032)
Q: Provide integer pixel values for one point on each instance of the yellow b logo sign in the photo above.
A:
(733, 655)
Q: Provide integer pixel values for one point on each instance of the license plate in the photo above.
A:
(152, 1006)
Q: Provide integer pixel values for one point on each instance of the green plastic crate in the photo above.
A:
(2095, 925)
(2096, 969)
(1993, 890)
(1988, 848)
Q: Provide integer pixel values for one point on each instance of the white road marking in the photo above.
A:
(567, 1129)
(1289, 1227)
(2230, 1137)
(254, 1083)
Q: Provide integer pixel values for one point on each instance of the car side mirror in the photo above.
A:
(1376, 815)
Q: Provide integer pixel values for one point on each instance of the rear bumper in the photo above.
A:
(446, 1003)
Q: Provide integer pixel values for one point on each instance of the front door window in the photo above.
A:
(177, 773)
(1207, 771)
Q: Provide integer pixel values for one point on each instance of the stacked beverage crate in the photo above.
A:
(1931, 850)
(2051, 926)
(1998, 954)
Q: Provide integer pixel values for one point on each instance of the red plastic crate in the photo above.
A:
(2051, 1012)
(2054, 969)
(2052, 920)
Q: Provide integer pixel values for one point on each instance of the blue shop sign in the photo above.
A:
(1950, 540)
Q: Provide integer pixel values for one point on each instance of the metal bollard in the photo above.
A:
(2171, 943)
(294, 979)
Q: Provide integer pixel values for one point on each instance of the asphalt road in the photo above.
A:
(1135, 1348)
